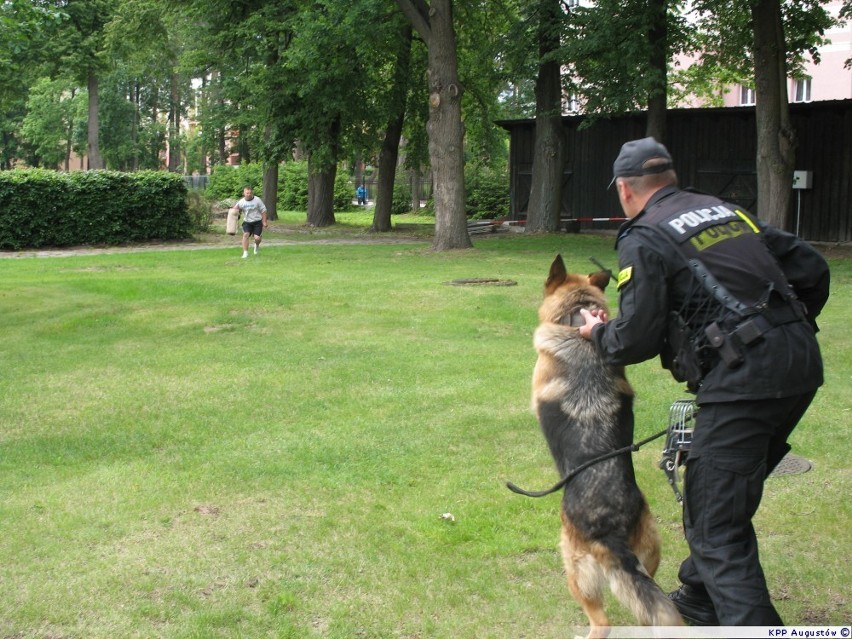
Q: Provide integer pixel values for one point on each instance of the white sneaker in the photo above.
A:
(245, 254)
(256, 249)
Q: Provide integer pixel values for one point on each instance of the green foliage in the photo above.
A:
(487, 195)
(401, 202)
(45, 208)
(228, 181)
(223, 182)
(293, 186)
(199, 206)
(192, 145)
(608, 53)
(118, 143)
(52, 114)
(343, 192)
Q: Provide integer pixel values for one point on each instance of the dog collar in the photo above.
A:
(574, 319)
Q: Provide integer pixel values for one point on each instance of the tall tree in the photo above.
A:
(776, 137)
(764, 42)
(79, 45)
(24, 28)
(434, 23)
(658, 61)
(618, 55)
(389, 153)
(49, 123)
(545, 203)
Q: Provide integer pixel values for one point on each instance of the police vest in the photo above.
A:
(725, 240)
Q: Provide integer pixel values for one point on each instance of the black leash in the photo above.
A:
(562, 482)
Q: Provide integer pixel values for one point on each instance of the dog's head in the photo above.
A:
(566, 293)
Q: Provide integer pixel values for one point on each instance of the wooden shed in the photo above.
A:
(714, 150)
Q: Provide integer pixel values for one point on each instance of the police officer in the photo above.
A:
(730, 305)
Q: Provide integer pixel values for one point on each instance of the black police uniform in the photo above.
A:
(702, 280)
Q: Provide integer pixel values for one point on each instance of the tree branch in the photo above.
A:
(417, 12)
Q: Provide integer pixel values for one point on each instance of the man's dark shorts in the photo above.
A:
(253, 228)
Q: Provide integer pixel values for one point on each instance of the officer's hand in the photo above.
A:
(593, 318)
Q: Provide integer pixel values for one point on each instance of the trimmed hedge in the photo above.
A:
(46, 208)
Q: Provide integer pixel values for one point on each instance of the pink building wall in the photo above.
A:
(829, 80)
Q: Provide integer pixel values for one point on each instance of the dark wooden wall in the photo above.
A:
(714, 150)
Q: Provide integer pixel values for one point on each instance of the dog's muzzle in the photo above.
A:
(678, 441)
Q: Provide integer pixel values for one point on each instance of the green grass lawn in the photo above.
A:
(196, 445)
(350, 225)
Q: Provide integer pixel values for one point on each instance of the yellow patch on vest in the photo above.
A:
(624, 276)
(745, 219)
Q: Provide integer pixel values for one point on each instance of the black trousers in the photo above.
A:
(734, 448)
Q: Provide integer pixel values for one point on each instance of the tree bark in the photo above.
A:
(69, 141)
(657, 96)
(321, 179)
(321, 195)
(134, 134)
(415, 190)
(389, 153)
(545, 205)
(216, 97)
(93, 149)
(270, 190)
(203, 146)
(776, 138)
(434, 23)
(174, 124)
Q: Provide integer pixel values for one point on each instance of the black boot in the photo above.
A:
(694, 606)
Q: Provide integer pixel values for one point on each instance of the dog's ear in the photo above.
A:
(599, 279)
(557, 275)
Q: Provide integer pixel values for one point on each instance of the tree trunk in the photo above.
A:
(203, 140)
(93, 149)
(388, 156)
(69, 140)
(174, 125)
(776, 139)
(389, 153)
(216, 97)
(134, 131)
(270, 190)
(321, 195)
(321, 179)
(415, 190)
(243, 148)
(434, 23)
(154, 148)
(545, 205)
(657, 96)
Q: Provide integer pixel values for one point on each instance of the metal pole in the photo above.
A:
(799, 212)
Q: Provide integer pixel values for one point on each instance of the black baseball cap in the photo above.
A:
(633, 156)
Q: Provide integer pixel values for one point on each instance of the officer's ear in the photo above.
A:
(599, 279)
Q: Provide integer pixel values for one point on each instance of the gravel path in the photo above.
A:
(192, 246)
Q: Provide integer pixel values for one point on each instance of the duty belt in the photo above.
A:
(728, 336)
(766, 319)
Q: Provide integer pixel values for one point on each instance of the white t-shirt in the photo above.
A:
(252, 209)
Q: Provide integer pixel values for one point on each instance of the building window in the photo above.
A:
(746, 95)
(573, 104)
(571, 4)
(802, 91)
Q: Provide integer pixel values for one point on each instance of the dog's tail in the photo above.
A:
(636, 589)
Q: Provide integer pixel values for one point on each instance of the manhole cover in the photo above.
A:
(482, 281)
(791, 465)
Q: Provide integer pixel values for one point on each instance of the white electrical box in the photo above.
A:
(803, 179)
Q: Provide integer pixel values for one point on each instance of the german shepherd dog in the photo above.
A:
(585, 409)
